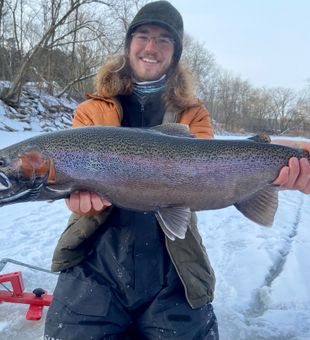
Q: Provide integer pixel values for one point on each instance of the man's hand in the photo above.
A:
(295, 176)
(86, 203)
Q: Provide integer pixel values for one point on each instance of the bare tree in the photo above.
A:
(256, 110)
(283, 104)
(231, 96)
(205, 70)
(1, 14)
(110, 34)
(55, 33)
(120, 15)
(201, 63)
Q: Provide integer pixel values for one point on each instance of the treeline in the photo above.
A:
(64, 42)
(238, 106)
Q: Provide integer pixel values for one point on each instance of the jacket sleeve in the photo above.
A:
(74, 243)
(97, 111)
(82, 117)
(198, 120)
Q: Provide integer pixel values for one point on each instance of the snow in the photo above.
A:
(263, 274)
(38, 110)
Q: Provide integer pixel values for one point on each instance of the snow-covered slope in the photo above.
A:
(37, 111)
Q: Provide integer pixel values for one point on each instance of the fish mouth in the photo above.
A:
(11, 193)
(22, 196)
(5, 183)
(15, 197)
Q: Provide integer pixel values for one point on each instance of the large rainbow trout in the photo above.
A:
(162, 169)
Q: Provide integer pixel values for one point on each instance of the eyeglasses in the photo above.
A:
(162, 42)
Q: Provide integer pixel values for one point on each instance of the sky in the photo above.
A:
(266, 42)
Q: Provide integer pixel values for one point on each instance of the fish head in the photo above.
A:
(22, 175)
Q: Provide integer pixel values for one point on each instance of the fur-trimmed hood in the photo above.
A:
(114, 78)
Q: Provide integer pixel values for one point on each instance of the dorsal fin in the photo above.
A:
(261, 138)
(174, 129)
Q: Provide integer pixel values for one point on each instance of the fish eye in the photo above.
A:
(3, 162)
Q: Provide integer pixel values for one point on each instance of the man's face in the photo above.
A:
(150, 52)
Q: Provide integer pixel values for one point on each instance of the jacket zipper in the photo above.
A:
(142, 113)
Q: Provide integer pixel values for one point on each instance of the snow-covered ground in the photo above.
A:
(263, 274)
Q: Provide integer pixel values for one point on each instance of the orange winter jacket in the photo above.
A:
(105, 111)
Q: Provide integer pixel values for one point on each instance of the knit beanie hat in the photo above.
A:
(160, 13)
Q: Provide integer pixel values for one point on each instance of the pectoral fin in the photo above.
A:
(261, 207)
(174, 221)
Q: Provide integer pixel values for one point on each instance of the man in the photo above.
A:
(120, 277)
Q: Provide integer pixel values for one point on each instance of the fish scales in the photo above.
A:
(163, 170)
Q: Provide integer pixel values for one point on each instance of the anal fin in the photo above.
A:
(261, 207)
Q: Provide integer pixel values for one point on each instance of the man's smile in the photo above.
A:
(150, 61)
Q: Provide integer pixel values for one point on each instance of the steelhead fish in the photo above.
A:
(163, 169)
